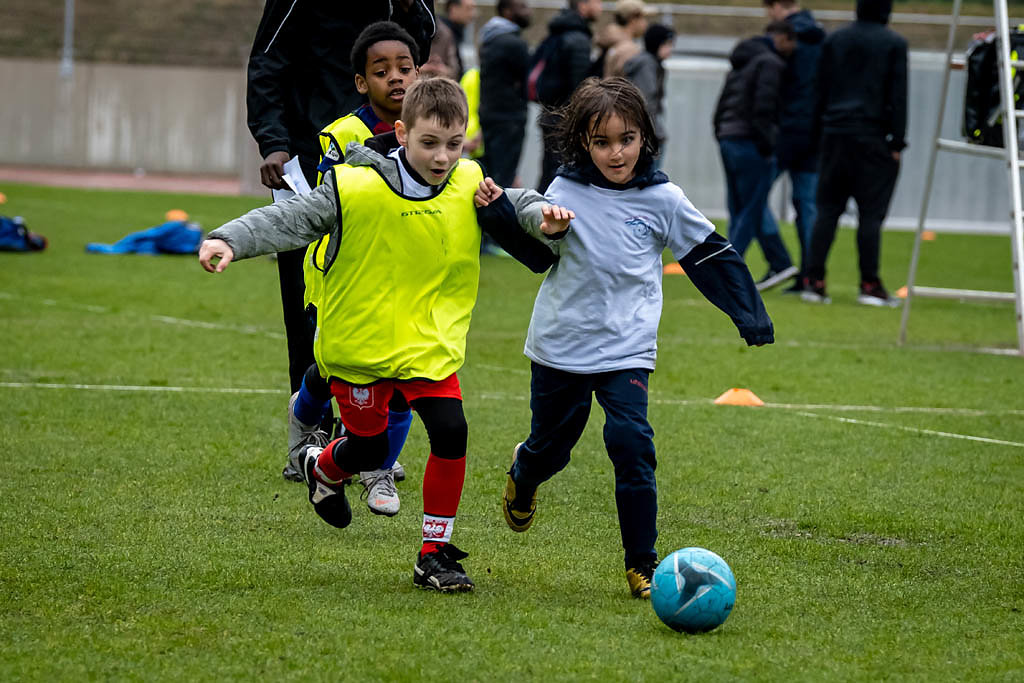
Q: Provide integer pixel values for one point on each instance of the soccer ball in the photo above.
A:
(693, 590)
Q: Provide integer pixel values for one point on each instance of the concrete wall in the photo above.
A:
(188, 120)
(160, 119)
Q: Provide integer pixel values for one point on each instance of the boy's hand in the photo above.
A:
(556, 219)
(487, 192)
(211, 249)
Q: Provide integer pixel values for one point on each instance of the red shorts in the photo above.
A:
(363, 408)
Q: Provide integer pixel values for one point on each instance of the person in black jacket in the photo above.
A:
(796, 153)
(862, 115)
(570, 65)
(299, 80)
(746, 125)
(504, 66)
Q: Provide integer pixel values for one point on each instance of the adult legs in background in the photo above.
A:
(503, 147)
(748, 179)
(874, 179)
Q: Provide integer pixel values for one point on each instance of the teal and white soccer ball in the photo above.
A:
(693, 590)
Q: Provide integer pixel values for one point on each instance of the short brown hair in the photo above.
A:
(591, 104)
(439, 98)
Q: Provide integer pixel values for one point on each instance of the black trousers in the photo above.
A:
(293, 289)
(503, 146)
(560, 402)
(861, 167)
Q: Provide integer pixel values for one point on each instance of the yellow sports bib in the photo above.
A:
(398, 295)
(333, 140)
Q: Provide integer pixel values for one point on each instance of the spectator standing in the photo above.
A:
(746, 125)
(504, 66)
(445, 57)
(569, 37)
(862, 114)
(796, 152)
(631, 17)
(299, 79)
(647, 72)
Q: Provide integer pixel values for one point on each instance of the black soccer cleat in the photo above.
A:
(441, 571)
(328, 501)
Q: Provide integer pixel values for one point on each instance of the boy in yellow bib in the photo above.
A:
(384, 59)
(399, 284)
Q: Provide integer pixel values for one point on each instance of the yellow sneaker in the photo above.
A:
(639, 579)
(517, 519)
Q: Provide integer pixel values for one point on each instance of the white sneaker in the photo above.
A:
(299, 435)
(379, 492)
(398, 471)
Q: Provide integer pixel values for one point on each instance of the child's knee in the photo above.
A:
(446, 426)
(627, 447)
(367, 453)
(449, 437)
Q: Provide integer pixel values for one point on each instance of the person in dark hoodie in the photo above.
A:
(504, 66)
(746, 125)
(796, 152)
(570, 64)
(861, 113)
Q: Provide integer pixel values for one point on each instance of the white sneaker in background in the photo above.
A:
(379, 492)
(299, 435)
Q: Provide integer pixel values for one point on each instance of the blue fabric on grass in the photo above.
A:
(172, 237)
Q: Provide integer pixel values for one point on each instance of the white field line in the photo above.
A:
(523, 397)
(932, 432)
(128, 387)
(163, 319)
(665, 340)
(244, 329)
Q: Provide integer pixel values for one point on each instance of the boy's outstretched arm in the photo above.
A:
(281, 226)
(504, 222)
(724, 279)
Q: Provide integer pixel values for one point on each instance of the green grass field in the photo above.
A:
(873, 511)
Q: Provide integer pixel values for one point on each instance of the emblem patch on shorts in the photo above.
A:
(361, 397)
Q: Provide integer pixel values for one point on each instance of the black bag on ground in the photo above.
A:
(14, 236)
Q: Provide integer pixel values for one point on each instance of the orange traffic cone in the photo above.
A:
(673, 269)
(902, 292)
(739, 397)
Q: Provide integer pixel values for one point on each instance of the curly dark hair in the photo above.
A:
(378, 32)
(590, 105)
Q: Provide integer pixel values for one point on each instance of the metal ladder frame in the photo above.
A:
(1010, 153)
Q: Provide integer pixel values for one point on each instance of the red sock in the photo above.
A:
(327, 469)
(442, 489)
